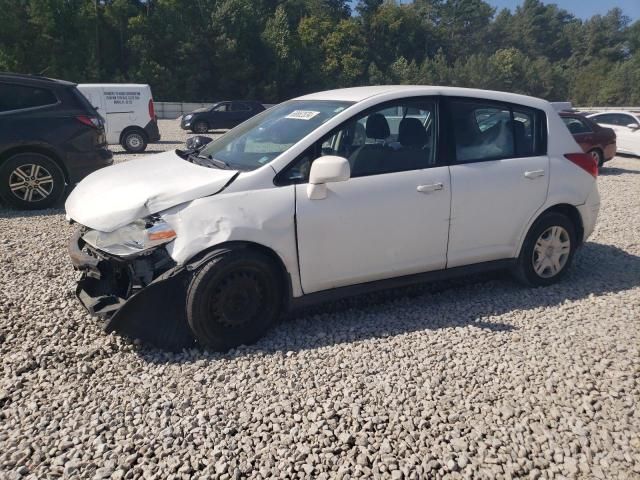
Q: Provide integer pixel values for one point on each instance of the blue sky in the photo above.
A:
(582, 8)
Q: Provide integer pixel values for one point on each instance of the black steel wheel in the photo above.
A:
(233, 299)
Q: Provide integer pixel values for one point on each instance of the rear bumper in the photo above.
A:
(152, 131)
(589, 212)
(142, 298)
(79, 165)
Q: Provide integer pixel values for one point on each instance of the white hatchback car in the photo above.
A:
(330, 194)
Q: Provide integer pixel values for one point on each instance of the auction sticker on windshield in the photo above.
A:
(302, 114)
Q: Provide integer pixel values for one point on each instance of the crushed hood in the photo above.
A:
(115, 196)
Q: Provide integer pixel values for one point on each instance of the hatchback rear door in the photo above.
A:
(499, 177)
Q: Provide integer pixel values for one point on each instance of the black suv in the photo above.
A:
(50, 137)
(220, 116)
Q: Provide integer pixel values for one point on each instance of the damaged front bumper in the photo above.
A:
(142, 297)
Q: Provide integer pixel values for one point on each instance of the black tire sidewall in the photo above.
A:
(129, 149)
(525, 270)
(215, 335)
(198, 130)
(15, 161)
(600, 156)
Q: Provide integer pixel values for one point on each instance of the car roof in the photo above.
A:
(33, 78)
(358, 94)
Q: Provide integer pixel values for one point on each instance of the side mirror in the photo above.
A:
(328, 169)
(633, 126)
(198, 142)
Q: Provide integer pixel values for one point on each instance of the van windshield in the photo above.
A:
(262, 138)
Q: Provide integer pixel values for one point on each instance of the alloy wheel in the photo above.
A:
(551, 251)
(31, 182)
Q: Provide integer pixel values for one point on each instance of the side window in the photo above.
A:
(576, 126)
(239, 107)
(490, 132)
(398, 137)
(628, 120)
(482, 132)
(223, 107)
(19, 97)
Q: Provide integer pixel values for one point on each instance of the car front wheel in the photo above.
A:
(547, 251)
(233, 299)
(31, 181)
(200, 127)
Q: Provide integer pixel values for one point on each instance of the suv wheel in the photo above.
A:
(134, 142)
(30, 181)
(547, 251)
(200, 127)
(233, 299)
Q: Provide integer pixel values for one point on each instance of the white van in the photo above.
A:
(128, 112)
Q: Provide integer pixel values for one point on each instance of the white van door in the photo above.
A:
(121, 103)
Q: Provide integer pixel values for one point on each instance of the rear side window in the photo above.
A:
(490, 131)
(240, 107)
(20, 97)
(616, 119)
(576, 125)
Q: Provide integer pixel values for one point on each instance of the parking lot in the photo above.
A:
(476, 378)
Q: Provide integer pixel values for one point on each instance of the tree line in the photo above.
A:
(271, 50)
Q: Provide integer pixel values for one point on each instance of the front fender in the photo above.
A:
(264, 217)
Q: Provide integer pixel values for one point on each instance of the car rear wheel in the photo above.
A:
(31, 181)
(134, 142)
(200, 127)
(597, 156)
(233, 299)
(547, 251)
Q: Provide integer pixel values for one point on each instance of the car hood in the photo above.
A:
(115, 196)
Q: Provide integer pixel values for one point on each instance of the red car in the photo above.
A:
(599, 141)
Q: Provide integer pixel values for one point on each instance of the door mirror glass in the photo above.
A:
(329, 169)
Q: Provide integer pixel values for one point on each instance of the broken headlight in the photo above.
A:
(132, 239)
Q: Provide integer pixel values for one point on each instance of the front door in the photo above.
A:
(392, 217)
(499, 178)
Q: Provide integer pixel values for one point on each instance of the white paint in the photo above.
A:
(628, 138)
(359, 229)
(115, 196)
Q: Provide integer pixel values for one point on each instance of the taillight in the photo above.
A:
(585, 161)
(93, 122)
(152, 110)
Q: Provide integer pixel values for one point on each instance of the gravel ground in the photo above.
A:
(472, 379)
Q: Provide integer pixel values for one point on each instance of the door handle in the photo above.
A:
(534, 174)
(430, 188)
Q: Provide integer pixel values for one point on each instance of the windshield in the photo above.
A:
(262, 138)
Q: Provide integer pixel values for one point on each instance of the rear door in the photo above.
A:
(499, 177)
(239, 112)
(120, 105)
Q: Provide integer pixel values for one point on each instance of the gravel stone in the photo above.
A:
(473, 378)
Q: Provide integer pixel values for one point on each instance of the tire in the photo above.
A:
(234, 299)
(547, 251)
(200, 127)
(598, 156)
(31, 181)
(134, 141)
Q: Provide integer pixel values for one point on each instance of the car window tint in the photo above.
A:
(576, 125)
(18, 97)
(396, 138)
(524, 131)
(223, 107)
(239, 107)
(482, 132)
(615, 119)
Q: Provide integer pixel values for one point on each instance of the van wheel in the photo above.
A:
(31, 181)
(547, 251)
(200, 127)
(233, 299)
(134, 142)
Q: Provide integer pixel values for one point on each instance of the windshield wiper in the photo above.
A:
(209, 161)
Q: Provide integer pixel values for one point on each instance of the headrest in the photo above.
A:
(412, 133)
(377, 127)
